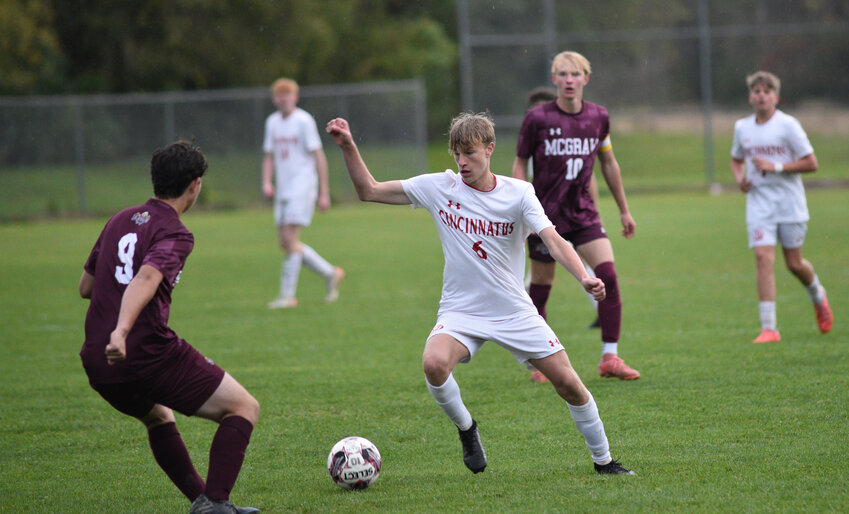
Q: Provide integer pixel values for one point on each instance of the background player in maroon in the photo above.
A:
(564, 137)
(132, 357)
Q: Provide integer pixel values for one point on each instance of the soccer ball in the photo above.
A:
(354, 463)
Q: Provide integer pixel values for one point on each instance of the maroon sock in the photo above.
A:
(609, 309)
(539, 295)
(171, 455)
(226, 456)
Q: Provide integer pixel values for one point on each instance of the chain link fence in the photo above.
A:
(660, 65)
(90, 154)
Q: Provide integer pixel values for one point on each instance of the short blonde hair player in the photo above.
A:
(769, 154)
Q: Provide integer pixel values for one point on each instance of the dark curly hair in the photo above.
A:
(174, 167)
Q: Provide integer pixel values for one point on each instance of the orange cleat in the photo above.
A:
(824, 316)
(612, 365)
(537, 376)
(768, 336)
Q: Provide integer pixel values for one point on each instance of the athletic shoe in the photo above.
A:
(203, 505)
(612, 365)
(824, 316)
(281, 302)
(537, 376)
(333, 285)
(612, 468)
(768, 336)
(595, 324)
(473, 455)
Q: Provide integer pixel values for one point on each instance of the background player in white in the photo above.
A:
(769, 153)
(482, 221)
(296, 161)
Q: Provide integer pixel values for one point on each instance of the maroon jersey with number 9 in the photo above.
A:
(151, 234)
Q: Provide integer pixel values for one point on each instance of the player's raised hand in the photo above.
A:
(116, 350)
(340, 131)
(594, 286)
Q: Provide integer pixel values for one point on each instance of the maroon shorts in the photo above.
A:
(184, 384)
(537, 250)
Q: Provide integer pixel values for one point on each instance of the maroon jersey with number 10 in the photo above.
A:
(151, 234)
(564, 147)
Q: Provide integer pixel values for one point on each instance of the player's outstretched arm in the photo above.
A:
(613, 176)
(138, 294)
(368, 189)
(563, 253)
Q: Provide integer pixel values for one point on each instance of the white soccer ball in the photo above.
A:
(354, 463)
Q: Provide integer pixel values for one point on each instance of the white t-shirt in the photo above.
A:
(483, 240)
(776, 197)
(292, 140)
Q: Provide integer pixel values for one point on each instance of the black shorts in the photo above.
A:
(537, 250)
(184, 384)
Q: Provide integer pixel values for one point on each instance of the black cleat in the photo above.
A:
(612, 468)
(595, 324)
(473, 455)
(203, 505)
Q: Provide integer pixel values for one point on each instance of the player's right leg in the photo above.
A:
(583, 409)
(765, 266)
(289, 238)
(442, 353)
(170, 451)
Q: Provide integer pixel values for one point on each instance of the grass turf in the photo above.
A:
(715, 423)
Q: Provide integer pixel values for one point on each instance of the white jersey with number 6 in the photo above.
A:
(483, 240)
(774, 197)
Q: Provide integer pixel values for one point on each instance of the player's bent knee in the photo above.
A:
(436, 369)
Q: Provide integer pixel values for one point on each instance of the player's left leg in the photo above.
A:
(598, 253)
(803, 270)
(583, 409)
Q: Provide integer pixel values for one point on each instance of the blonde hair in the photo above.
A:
(283, 86)
(765, 79)
(469, 129)
(573, 57)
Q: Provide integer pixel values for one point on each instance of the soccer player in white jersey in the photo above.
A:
(295, 159)
(768, 156)
(483, 220)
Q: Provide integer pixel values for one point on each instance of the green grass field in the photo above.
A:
(714, 424)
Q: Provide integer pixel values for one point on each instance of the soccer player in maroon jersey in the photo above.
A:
(564, 137)
(132, 357)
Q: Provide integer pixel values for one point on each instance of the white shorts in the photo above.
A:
(790, 235)
(526, 336)
(295, 211)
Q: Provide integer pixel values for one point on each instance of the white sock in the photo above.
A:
(316, 262)
(291, 269)
(590, 426)
(448, 398)
(609, 348)
(768, 318)
(815, 290)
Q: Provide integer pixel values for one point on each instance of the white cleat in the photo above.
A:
(281, 302)
(333, 285)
